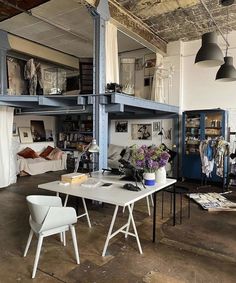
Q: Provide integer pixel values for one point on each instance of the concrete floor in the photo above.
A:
(202, 249)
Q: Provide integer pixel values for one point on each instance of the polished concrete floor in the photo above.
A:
(201, 249)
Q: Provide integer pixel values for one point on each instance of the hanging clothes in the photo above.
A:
(222, 150)
(207, 157)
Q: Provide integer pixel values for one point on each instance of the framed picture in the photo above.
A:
(14, 132)
(25, 135)
(141, 131)
(121, 126)
(156, 126)
(38, 130)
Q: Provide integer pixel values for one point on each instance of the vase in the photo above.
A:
(149, 179)
(161, 175)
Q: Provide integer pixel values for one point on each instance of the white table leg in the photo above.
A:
(128, 223)
(110, 230)
(66, 200)
(86, 212)
(135, 230)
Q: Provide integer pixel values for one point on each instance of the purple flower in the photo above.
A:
(149, 158)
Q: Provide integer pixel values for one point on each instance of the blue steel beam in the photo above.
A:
(4, 47)
(142, 103)
(55, 102)
(114, 108)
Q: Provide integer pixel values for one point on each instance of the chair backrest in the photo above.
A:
(39, 206)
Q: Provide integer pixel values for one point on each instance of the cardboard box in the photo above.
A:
(74, 178)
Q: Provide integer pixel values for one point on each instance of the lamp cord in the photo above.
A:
(227, 32)
(215, 23)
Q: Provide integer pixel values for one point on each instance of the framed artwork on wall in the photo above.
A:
(156, 126)
(121, 126)
(25, 135)
(38, 130)
(141, 131)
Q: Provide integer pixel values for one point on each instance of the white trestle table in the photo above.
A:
(115, 195)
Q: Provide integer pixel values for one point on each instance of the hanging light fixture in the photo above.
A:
(210, 54)
(226, 72)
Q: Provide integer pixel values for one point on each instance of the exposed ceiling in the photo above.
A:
(66, 25)
(181, 19)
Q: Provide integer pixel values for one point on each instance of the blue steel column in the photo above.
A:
(4, 46)
(100, 117)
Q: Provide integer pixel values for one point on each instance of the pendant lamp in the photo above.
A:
(210, 54)
(226, 72)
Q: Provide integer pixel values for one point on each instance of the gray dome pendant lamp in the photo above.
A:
(210, 54)
(226, 72)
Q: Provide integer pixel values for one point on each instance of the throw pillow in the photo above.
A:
(28, 153)
(55, 154)
(46, 152)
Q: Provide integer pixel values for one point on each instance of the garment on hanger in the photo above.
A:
(213, 151)
(207, 157)
(222, 150)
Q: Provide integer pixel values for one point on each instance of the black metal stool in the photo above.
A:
(178, 190)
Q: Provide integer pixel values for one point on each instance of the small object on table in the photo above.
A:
(131, 187)
(74, 178)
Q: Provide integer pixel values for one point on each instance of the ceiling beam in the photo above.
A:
(134, 27)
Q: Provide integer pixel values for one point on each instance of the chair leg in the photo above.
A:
(72, 229)
(39, 246)
(31, 233)
(64, 238)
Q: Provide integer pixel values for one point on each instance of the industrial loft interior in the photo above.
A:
(118, 141)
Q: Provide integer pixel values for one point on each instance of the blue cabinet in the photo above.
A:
(199, 125)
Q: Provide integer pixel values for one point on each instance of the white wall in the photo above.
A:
(174, 58)
(125, 139)
(200, 90)
(24, 121)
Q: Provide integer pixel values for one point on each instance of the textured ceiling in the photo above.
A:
(66, 25)
(181, 19)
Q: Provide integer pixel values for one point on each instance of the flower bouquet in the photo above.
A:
(150, 159)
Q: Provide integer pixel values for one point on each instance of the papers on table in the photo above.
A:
(92, 183)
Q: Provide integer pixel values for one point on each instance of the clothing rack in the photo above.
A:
(210, 166)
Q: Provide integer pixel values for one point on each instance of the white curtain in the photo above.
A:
(112, 61)
(7, 163)
(158, 81)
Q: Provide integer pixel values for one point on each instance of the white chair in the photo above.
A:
(48, 217)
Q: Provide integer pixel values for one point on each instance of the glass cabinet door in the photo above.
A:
(192, 133)
(213, 125)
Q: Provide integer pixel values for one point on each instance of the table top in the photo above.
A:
(113, 194)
